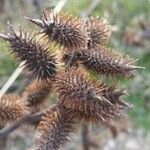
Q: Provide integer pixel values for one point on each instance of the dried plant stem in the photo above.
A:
(87, 142)
(90, 8)
(85, 139)
(11, 79)
(59, 5)
(19, 69)
(32, 119)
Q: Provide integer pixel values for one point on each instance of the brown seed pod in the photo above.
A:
(91, 99)
(66, 30)
(108, 62)
(99, 31)
(38, 60)
(36, 94)
(54, 130)
(12, 108)
(113, 96)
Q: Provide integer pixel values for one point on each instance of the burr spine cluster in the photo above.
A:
(83, 48)
(12, 108)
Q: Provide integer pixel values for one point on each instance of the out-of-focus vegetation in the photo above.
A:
(131, 24)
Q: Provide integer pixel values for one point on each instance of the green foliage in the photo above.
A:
(6, 63)
(139, 114)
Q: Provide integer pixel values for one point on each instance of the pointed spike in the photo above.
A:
(125, 92)
(129, 106)
(133, 61)
(104, 100)
(11, 28)
(38, 22)
(135, 67)
(45, 12)
(120, 92)
(5, 37)
(108, 102)
(20, 31)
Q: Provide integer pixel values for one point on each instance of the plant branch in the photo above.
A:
(85, 138)
(90, 9)
(32, 119)
(11, 79)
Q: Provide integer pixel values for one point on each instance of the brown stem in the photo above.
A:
(32, 119)
(85, 140)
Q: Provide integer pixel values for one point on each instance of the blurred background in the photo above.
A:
(130, 20)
